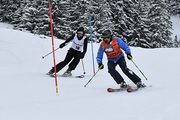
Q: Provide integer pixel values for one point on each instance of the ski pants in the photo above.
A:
(71, 55)
(115, 74)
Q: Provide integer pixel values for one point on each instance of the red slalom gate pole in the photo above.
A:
(52, 36)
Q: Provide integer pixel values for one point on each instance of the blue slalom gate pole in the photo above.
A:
(90, 27)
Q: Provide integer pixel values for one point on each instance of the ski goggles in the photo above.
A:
(80, 32)
(106, 38)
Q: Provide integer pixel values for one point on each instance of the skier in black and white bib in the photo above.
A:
(75, 53)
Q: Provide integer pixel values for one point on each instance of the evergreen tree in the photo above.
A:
(61, 17)
(28, 17)
(176, 42)
(144, 23)
(68, 16)
(34, 17)
(141, 35)
(119, 18)
(7, 9)
(101, 17)
(160, 24)
(174, 6)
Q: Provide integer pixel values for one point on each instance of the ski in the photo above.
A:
(130, 89)
(117, 89)
(78, 76)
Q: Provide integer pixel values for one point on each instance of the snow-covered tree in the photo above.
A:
(118, 18)
(7, 9)
(101, 15)
(160, 24)
(176, 43)
(141, 36)
(144, 23)
(174, 6)
(34, 17)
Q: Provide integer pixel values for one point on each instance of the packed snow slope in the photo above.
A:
(28, 94)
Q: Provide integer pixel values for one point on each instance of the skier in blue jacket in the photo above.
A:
(112, 46)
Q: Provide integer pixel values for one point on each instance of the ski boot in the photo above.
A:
(123, 85)
(140, 85)
(51, 72)
(67, 73)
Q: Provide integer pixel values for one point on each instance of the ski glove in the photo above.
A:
(62, 45)
(101, 66)
(81, 55)
(129, 56)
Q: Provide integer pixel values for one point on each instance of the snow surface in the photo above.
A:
(28, 94)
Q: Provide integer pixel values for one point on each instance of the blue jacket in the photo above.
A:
(122, 45)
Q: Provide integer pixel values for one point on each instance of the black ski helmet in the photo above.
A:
(107, 33)
(81, 29)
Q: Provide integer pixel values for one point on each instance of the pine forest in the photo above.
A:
(140, 23)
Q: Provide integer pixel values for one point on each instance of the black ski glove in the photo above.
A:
(101, 66)
(81, 55)
(62, 45)
(129, 56)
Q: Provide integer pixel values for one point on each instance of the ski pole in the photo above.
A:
(49, 53)
(139, 70)
(93, 76)
(83, 66)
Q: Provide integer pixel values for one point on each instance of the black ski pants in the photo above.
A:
(71, 55)
(115, 74)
